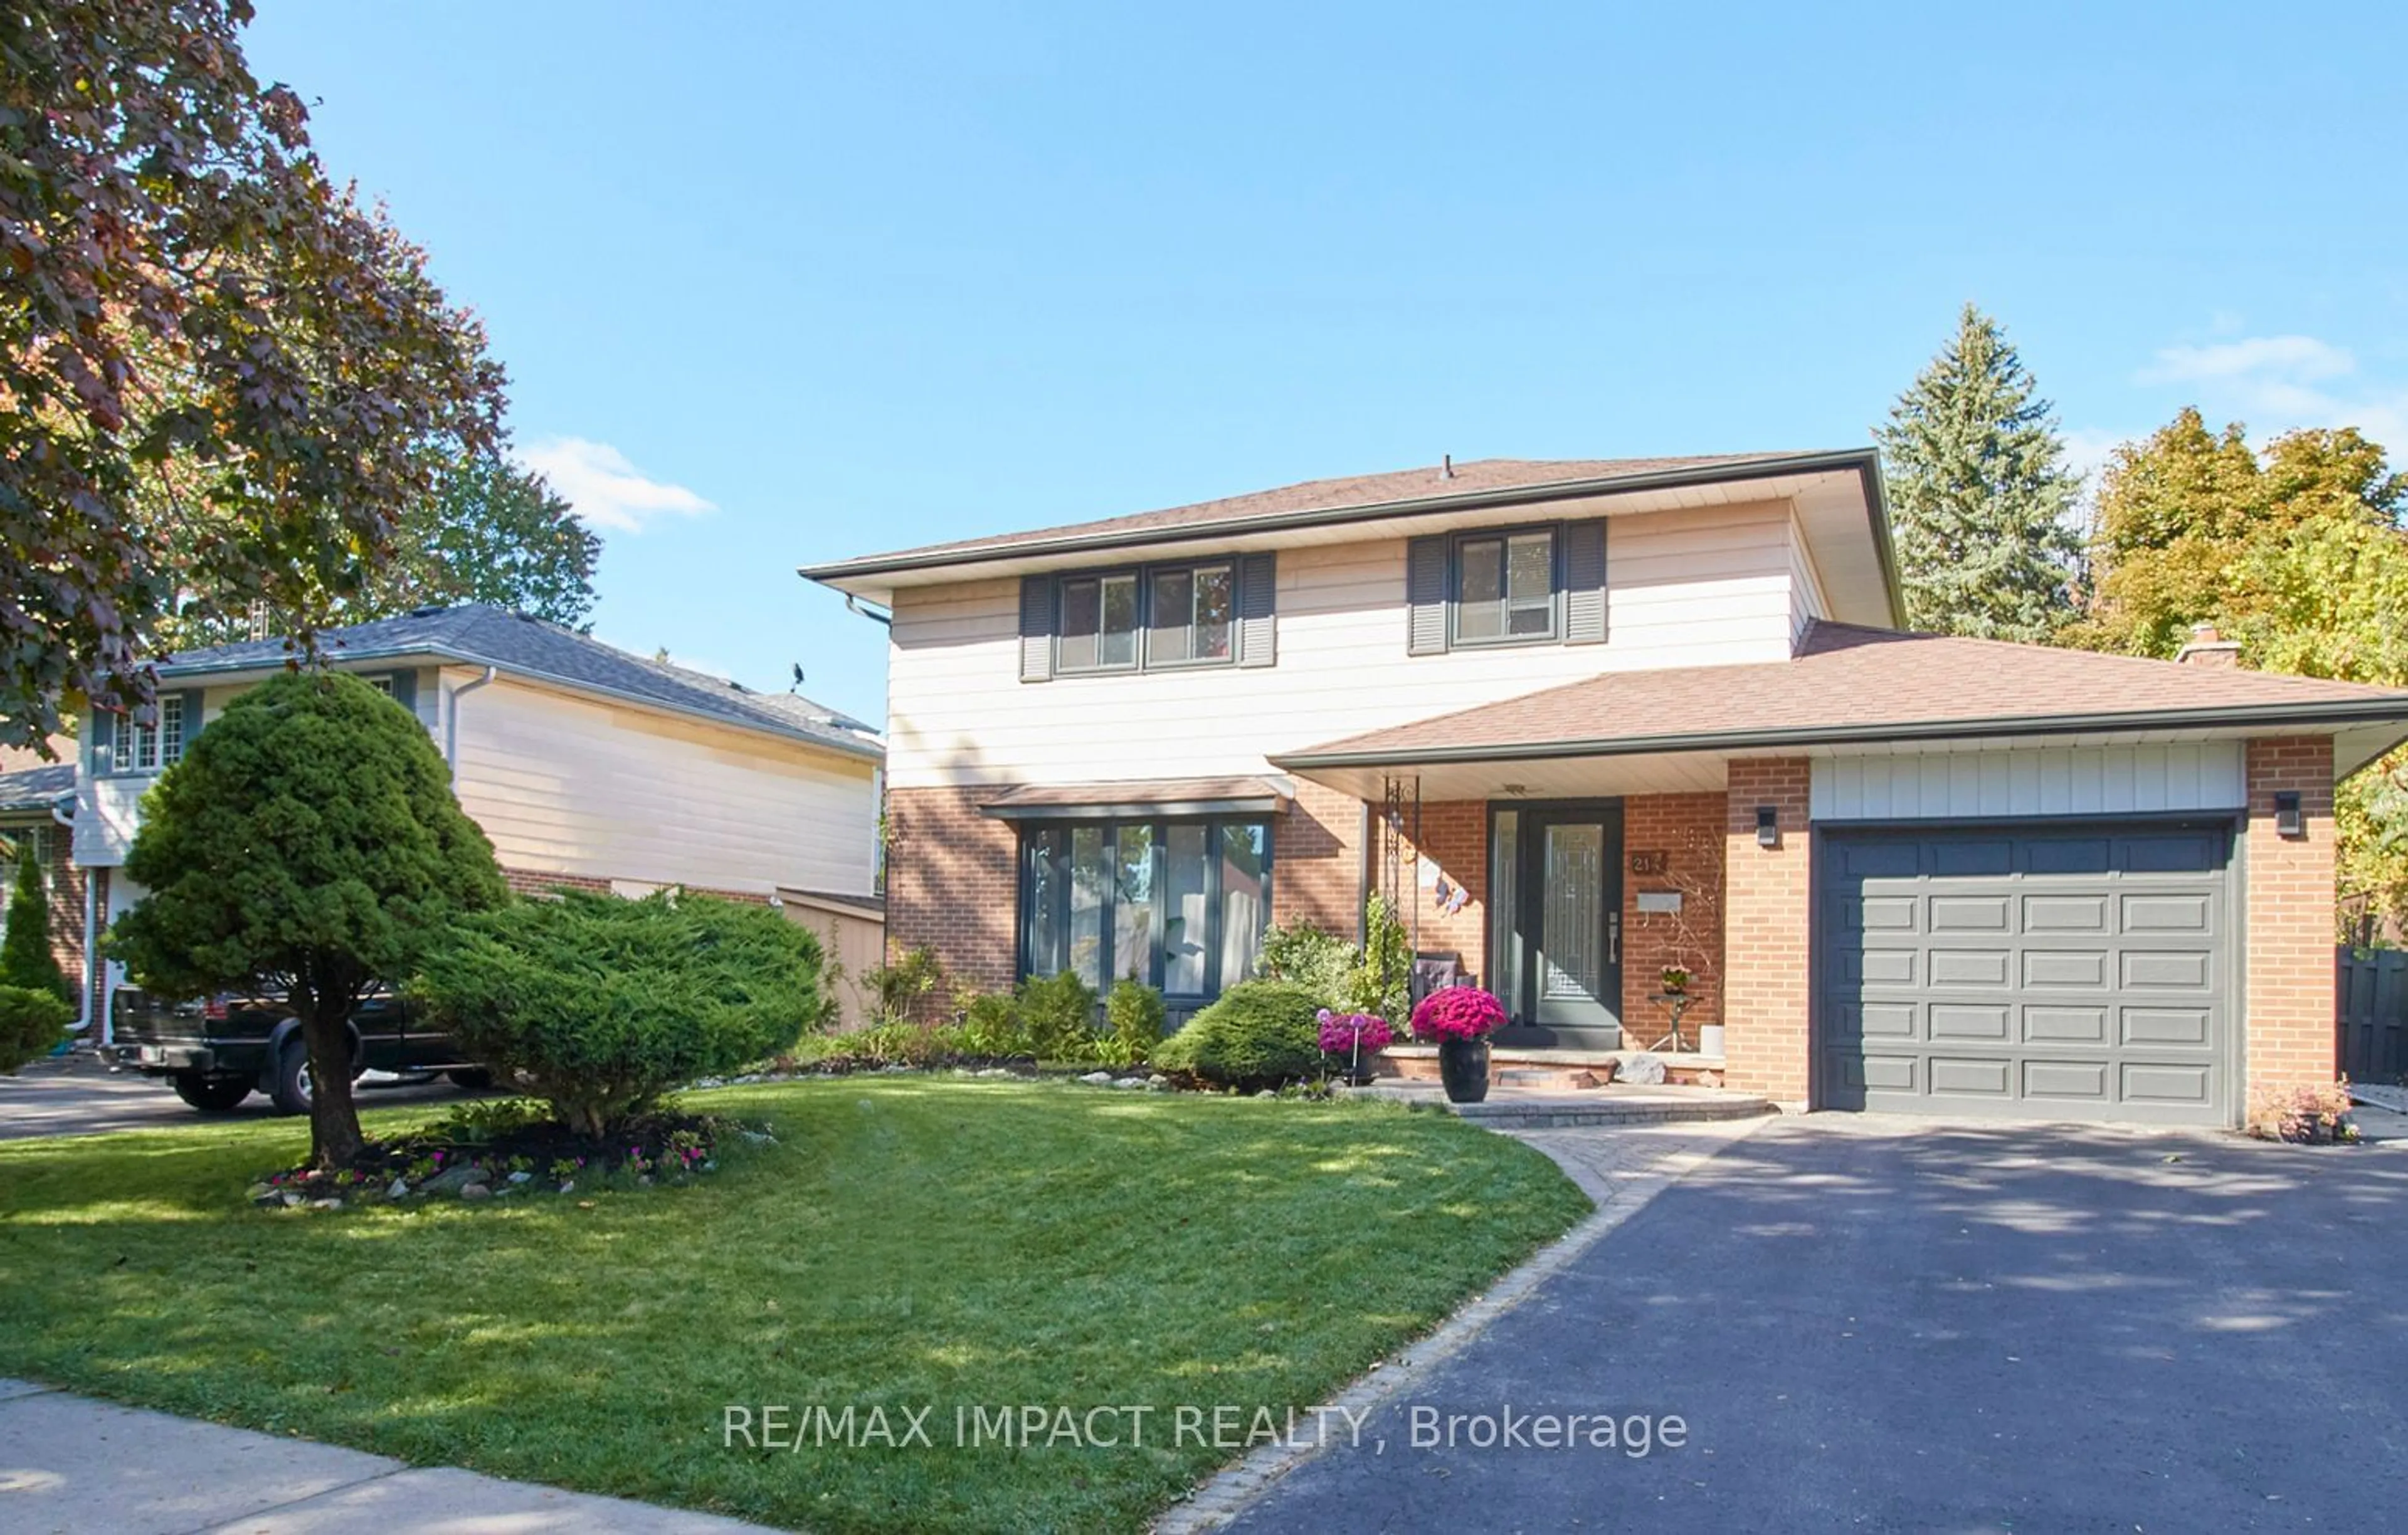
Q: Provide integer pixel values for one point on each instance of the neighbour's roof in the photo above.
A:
(38, 788)
(479, 634)
(1850, 684)
(1333, 500)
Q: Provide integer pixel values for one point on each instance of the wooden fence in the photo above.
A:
(2372, 1004)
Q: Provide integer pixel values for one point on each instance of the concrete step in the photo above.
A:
(1549, 1078)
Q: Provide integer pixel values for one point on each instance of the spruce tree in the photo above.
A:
(25, 957)
(1980, 497)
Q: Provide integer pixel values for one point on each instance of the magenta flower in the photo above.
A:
(1346, 1033)
(1456, 1013)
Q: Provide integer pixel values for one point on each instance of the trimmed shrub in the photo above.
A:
(25, 957)
(31, 1024)
(599, 1005)
(1259, 1032)
(992, 1025)
(1312, 957)
(1135, 1012)
(1058, 1012)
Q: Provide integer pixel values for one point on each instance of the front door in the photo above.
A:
(1571, 920)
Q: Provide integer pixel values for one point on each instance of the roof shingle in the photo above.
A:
(1324, 495)
(1849, 682)
(482, 635)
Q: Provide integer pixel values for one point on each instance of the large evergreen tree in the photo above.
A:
(1979, 494)
(307, 846)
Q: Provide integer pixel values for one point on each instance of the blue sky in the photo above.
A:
(779, 284)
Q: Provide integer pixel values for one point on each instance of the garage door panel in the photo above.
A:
(2179, 1026)
(2079, 855)
(2187, 853)
(2059, 970)
(1971, 1075)
(2166, 969)
(2067, 1081)
(1986, 967)
(2065, 913)
(2160, 1084)
(1995, 855)
(1956, 1020)
(2064, 1025)
(2164, 914)
(1969, 914)
(2043, 973)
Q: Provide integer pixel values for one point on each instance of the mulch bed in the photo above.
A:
(502, 1149)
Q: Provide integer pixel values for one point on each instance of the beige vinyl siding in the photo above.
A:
(2035, 780)
(570, 786)
(1700, 587)
(1806, 598)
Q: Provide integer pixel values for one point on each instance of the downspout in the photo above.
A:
(91, 921)
(451, 719)
(852, 605)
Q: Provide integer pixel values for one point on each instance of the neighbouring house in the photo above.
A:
(36, 809)
(1584, 721)
(589, 768)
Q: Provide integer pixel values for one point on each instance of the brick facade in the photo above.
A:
(1454, 838)
(2291, 1036)
(952, 883)
(1765, 925)
(1687, 829)
(1317, 861)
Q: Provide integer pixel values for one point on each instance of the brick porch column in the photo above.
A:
(2291, 1035)
(1765, 975)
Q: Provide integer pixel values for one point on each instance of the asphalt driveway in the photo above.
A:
(1879, 1325)
(77, 1094)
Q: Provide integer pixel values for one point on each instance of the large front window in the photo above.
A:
(1178, 904)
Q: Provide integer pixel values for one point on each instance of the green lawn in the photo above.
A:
(909, 1242)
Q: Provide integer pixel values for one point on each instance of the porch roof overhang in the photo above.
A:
(1163, 796)
(1847, 691)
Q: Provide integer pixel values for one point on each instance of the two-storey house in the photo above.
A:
(587, 766)
(1584, 721)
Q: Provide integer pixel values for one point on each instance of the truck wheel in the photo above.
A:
(474, 1077)
(288, 1084)
(210, 1095)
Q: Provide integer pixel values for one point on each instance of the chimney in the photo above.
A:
(2209, 648)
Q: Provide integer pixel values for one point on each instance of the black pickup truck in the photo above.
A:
(216, 1052)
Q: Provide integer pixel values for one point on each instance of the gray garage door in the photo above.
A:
(2065, 972)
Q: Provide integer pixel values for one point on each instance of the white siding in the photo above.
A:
(1806, 599)
(2039, 780)
(1710, 586)
(566, 785)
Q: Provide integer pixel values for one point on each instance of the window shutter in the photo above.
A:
(1037, 628)
(405, 690)
(1584, 582)
(1258, 609)
(104, 742)
(192, 698)
(1425, 595)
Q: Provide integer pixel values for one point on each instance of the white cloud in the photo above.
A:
(2261, 357)
(2279, 383)
(606, 489)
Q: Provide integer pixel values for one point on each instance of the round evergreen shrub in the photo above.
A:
(599, 1005)
(31, 1024)
(1259, 1033)
(25, 957)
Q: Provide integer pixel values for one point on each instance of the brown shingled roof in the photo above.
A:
(1325, 496)
(1851, 684)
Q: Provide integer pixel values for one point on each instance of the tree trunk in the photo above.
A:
(335, 1135)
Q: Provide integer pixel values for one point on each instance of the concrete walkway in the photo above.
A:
(69, 1465)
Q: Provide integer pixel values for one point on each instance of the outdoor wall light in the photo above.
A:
(1768, 826)
(2288, 820)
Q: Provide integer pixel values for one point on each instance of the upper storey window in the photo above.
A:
(1164, 617)
(1539, 585)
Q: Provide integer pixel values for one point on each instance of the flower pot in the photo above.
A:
(1710, 1038)
(1462, 1067)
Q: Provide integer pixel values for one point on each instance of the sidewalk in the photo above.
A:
(69, 1465)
